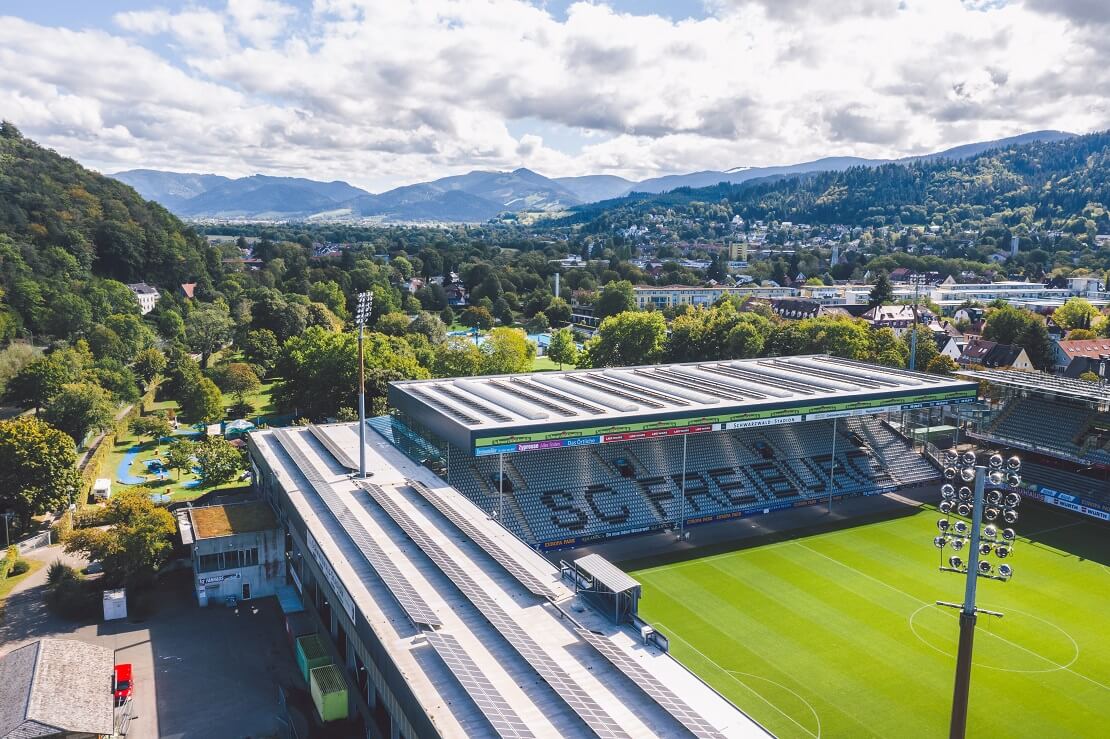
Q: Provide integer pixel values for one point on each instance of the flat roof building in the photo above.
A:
(445, 624)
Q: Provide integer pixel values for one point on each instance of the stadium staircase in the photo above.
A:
(580, 493)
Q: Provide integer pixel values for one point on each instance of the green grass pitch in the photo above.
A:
(837, 634)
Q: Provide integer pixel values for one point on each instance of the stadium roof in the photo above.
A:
(508, 413)
(1042, 382)
(480, 626)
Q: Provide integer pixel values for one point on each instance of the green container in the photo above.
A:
(329, 692)
(311, 653)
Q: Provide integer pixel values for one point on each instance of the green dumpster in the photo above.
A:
(329, 692)
(311, 653)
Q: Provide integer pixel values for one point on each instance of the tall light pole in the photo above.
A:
(362, 315)
(979, 504)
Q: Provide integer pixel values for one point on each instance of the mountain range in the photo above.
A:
(473, 197)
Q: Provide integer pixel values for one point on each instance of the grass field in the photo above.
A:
(837, 634)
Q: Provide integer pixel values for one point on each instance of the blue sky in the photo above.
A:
(388, 92)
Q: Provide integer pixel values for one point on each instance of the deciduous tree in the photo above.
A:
(37, 472)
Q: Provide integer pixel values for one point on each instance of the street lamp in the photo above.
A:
(1000, 501)
(362, 315)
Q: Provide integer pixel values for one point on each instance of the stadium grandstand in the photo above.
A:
(1060, 426)
(566, 458)
(447, 625)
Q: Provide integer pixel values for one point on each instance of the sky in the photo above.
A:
(382, 93)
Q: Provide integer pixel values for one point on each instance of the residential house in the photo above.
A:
(898, 318)
(1066, 352)
(147, 295)
(992, 355)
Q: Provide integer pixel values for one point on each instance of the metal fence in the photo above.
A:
(35, 542)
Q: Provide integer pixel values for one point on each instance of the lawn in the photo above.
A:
(838, 633)
(7, 584)
(180, 484)
(542, 364)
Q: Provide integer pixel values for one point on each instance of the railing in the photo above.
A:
(35, 542)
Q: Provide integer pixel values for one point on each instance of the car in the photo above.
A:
(122, 687)
(93, 568)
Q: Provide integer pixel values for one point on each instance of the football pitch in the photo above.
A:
(836, 634)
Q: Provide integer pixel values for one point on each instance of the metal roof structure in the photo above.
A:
(513, 413)
(499, 652)
(603, 572)
(1041, 382)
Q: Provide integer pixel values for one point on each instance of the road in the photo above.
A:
(197, 672)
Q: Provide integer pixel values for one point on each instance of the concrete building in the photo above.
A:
(147, 295)
(237, 550)
(670, 295)
(57, 688)
(444, 624)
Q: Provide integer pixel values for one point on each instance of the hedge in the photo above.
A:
(8, 561)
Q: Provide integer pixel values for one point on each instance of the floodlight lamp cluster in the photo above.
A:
(1000, 504)
(365, 305)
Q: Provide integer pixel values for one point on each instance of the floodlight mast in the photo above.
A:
(362, 315)
(958, 726)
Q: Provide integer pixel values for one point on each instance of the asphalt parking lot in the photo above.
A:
(198, 672)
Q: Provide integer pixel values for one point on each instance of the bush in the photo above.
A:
(91, 516)
(69, 594)
(8, 561)
(20, 566)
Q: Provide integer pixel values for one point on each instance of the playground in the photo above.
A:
(138, 463)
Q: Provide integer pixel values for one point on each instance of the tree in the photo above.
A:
(1009, 325)
(625, 339)
(558, 312)
(883, 291)
(80, 409)
(37, 471)
(180, 454)
(38, 382)
(331, 295)
(927, 349)
(1081, 334)
(616, 297)
(429, 326)
(478, 317)
(261, 349)
(13, 359)
(942, 364)
(1089, 376)
(562, 348)
(447, 316)
(149, 363)
(239, 379)
(203, 402)
(393, 324)
(1076, 313)
(457, 357)
(218, 460)
(507, 351)
(208, 330)
(537, 324)
(135, 545)
(319, 369)
(155, 426)
(170, 325)
(744, 341)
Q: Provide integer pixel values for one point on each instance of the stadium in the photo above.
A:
(723, 548)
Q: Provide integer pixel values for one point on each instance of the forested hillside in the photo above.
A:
(63, 226)
(1040, 183)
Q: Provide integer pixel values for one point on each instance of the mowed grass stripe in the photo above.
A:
(828, 616)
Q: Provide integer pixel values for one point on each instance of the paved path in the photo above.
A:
(199, 673)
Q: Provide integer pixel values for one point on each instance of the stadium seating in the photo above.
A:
(1054, 426)
(1065, 481)
(618, 488)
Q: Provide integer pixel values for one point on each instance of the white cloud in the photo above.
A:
(385, 92)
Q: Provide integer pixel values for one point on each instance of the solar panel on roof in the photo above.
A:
(450, 410)
(534, 584)
(477, 685)
(652, 686)
(411, 602)
(569, 689)
(336, 451)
